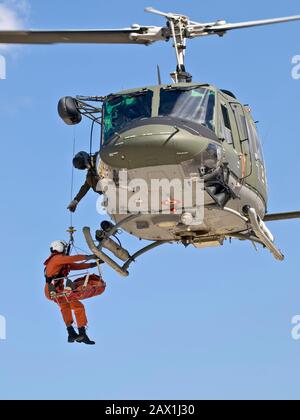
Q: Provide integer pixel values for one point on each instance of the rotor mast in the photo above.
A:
(177, 25)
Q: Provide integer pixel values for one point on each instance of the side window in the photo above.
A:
(256, 145)
(226, 129)
(241, 121)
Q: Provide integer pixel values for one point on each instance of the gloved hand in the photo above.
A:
(90, 257)
(73, 206)
(70, 285)
(53, 295)
(93, 265)
(52, 291)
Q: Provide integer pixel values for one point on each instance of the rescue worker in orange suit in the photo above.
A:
(58, 266)
(83, 161)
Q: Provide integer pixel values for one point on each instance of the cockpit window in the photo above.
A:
(120, 110)
(191, 104)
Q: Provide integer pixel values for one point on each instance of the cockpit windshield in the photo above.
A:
(190, 104)
(121, 110)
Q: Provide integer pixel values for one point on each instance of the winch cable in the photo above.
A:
(71, 229)
(72, 174)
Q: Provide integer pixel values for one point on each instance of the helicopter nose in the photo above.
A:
(156, 144)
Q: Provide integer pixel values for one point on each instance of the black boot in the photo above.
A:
(83, 338)
(73, 336)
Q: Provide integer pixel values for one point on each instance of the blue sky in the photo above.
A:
(187, 324)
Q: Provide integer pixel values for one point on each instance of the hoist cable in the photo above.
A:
(72, 174)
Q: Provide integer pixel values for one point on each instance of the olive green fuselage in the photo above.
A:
(175, 146)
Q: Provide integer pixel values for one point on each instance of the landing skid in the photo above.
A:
(258, 233)
(122, 270)
(263, 234)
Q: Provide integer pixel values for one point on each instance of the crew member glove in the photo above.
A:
(52, 291)
(73, 206)
(93, 265)
(90, 257)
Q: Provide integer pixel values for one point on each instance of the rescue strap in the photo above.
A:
(66, 295)
(86, 282)
(69, 277)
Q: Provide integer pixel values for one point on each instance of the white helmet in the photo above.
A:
(59, 246)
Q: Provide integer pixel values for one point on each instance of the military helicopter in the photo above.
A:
(182, 130)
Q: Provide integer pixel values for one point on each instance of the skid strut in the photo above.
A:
(98, 250)
(100, 254)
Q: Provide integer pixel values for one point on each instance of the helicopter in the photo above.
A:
(183, 130)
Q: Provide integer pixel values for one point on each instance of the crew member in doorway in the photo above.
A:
(83, 161)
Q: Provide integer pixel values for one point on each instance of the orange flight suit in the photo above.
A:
(58, 266)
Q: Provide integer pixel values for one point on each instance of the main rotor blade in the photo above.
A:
(282, 216)
(221, 28)
(121, 36)
(159, 13)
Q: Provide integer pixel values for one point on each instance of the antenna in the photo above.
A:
(159, 75)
